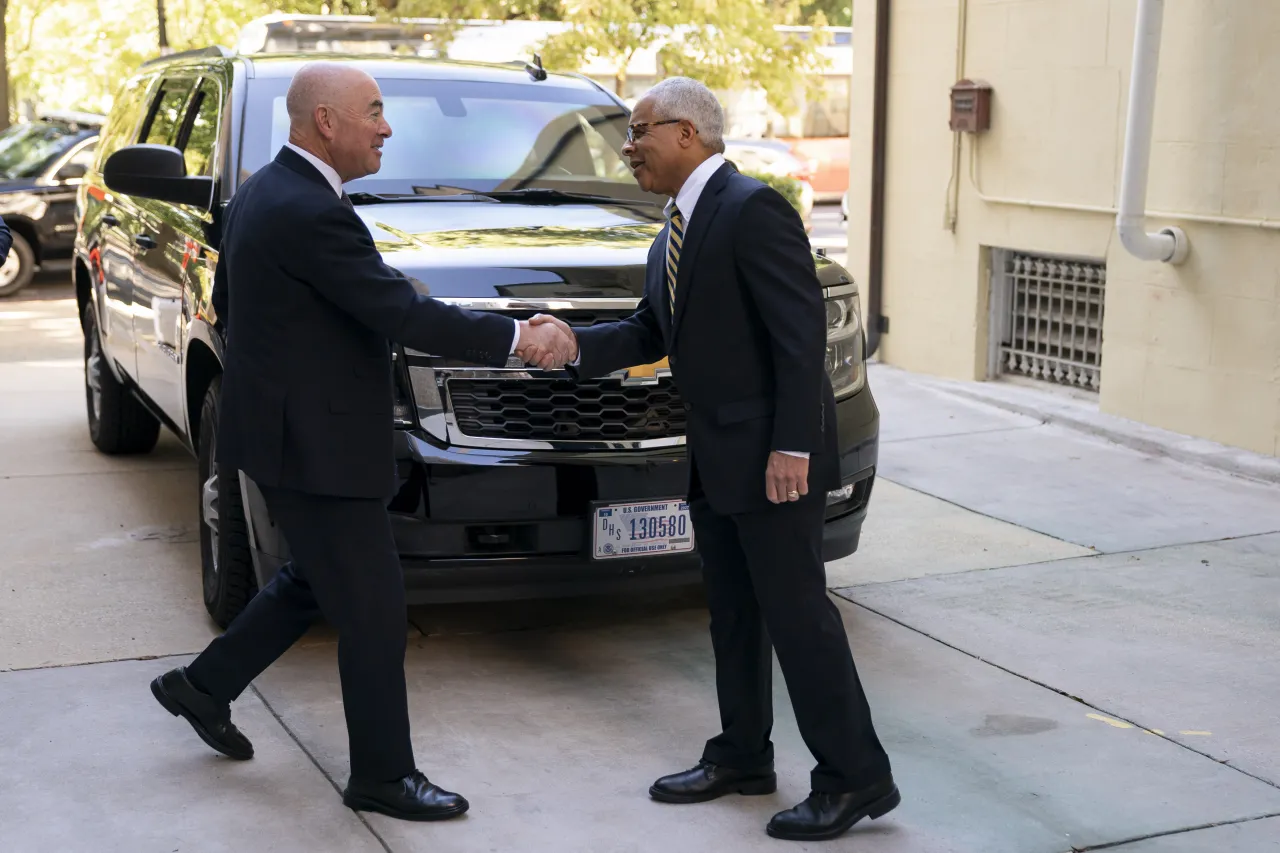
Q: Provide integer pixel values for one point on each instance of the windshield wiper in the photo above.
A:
(378, 198)
(546, 195)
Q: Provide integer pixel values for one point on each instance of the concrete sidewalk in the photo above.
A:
(1068, 644)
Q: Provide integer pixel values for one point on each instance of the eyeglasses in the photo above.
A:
(632, 136)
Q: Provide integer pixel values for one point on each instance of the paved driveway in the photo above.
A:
(1067, 644)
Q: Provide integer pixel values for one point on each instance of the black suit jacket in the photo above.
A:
(747, 343)
(6, 240)
(309, 309)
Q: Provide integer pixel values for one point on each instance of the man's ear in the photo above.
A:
(324, 118)
(688, 134)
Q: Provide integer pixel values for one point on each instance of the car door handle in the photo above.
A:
(110, 220)
(144, 241)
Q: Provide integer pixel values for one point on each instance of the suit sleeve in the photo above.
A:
(6, 240)
(343, 264)
(607, 347)
(774, 262)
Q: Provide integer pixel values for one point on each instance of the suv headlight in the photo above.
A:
(845, 363)
(417, 395)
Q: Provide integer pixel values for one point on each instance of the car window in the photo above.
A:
(201, 130)
(123, 120)
(451, 135)
(166, 112)
(85, 156)
(33, 148)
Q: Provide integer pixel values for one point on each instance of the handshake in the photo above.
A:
(546, 342)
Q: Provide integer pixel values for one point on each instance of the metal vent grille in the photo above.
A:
(566, 410)
(1048, 315)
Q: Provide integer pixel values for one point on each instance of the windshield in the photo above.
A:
(26, 150)
(454, 136)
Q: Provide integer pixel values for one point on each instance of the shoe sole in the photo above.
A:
(875, 809)
(364, 804)
(171, 705)
(752, 788)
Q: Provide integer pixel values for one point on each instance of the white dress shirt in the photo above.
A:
(687, 197)
(331, 175)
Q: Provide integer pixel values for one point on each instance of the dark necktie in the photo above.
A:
(675, 241)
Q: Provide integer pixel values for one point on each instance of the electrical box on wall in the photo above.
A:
(971, 106)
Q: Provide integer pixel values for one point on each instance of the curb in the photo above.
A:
(1222, 458)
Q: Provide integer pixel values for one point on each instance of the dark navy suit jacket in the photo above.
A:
(310, 310)
(747, 341)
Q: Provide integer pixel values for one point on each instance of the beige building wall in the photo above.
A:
(1194, 348)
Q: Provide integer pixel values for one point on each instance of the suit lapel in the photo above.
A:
(655, 285)
(703, 214)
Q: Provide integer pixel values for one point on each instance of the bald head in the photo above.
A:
(319, 83)
(335, 112)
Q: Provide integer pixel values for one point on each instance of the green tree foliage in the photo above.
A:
(612, 30)
(837, 13)
(724, 43)
(73, 54)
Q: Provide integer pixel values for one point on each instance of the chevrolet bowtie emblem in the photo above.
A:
(646, 374)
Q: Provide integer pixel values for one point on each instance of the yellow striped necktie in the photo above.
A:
(675, 241)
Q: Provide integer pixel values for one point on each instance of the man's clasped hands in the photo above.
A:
(546, 342)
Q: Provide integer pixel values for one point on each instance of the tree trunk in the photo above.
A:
(164, 31)
(4, 67)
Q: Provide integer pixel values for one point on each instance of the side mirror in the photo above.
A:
(157, 172)
(71, 172)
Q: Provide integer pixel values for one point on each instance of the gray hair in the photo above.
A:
(686, 98)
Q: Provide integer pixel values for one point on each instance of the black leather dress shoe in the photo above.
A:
(709, 781)
(210, 718)
(824, 815)
(412, 798)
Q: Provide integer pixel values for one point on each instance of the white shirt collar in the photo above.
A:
(321, 166)
(687, 198)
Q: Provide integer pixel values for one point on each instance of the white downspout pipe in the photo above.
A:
(1170, 244)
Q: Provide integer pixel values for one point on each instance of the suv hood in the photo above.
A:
(488, 249)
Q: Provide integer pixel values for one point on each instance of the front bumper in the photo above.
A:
(485, 524)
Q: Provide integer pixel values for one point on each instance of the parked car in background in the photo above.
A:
(42, 162)
(775, 158)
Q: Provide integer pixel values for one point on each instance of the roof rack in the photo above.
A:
(215, 52)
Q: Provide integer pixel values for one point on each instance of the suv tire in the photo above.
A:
(22, 259)
(226, 562)
(118, 422)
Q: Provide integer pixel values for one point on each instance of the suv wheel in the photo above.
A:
(18, 267)
(118, 422)
(226, 564)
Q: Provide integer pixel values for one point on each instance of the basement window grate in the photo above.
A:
(1046, 315)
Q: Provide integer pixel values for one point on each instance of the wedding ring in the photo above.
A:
(793, 494)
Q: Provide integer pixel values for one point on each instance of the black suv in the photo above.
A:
(41, 164)
(502, 189)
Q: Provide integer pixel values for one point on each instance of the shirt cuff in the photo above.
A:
(795, 453)
(515, 337)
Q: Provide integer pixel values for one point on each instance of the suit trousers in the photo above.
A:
(345, 568)
(766, 591)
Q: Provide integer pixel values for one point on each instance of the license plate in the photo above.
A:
(641, 529)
